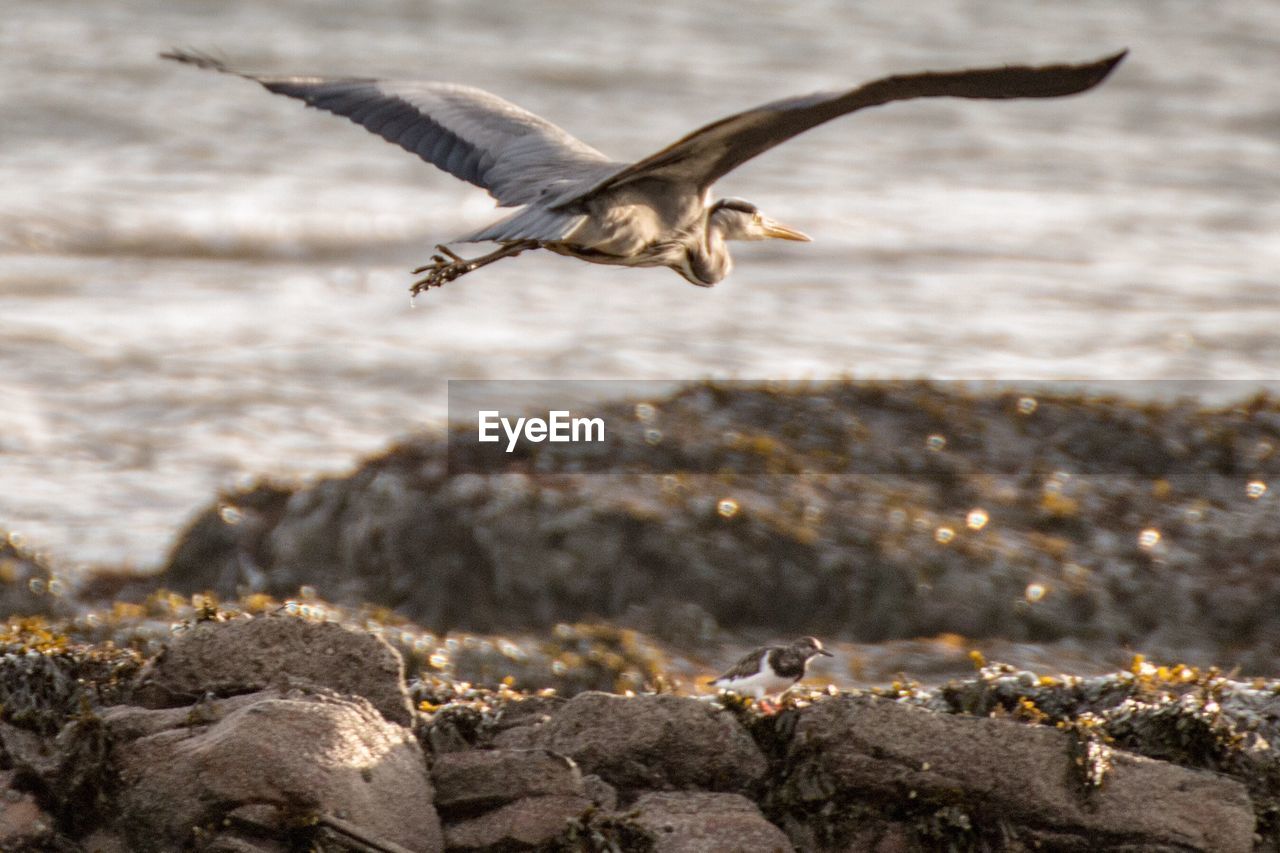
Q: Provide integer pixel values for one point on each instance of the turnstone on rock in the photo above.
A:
(771, 670)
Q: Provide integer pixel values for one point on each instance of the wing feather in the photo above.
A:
(750, 664)
(469, 133)
(707, 154)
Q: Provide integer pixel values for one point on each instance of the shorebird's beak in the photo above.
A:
(777, 230)
(825, 652)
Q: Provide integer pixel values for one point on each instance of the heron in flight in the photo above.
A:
(575, 201)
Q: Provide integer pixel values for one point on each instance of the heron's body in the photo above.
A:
(573, 200)
(626, 228)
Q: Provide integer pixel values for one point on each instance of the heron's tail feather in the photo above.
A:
(529, 223)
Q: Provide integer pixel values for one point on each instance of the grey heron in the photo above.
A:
(573, 200)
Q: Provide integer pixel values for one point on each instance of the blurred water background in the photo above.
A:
(200, 282)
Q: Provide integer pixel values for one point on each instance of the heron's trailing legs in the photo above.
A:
(446, 266)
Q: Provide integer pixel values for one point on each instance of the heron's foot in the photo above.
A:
(444, 268)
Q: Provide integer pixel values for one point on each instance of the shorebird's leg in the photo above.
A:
(446, 265)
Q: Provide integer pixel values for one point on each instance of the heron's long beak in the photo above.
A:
(779, 231)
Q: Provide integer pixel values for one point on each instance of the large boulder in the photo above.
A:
(982, 778)
(269, 759)
(649, 742)
(916, 510)
(244, 655)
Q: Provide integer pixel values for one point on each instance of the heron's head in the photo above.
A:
(742, 220)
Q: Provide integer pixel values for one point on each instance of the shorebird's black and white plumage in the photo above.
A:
(573, 200)
(771, 670)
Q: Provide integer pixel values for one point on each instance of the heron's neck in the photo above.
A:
(709, 259)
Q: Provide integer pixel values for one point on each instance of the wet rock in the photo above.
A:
(183, 771)
(977, 780)
(915, 510)
(45, 679)
(1189, 717)
(600, 792)
(650, 742)
(571, 659)
(223, 549)
(28, 751)
(23, 823)
(104, 841)
(525, 824)
(694, 822)
(475, 780)
(243, 655)
(49, 734)
(28, 585)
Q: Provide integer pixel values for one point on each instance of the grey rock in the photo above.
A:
(696, 822)
(296, 752)
(653, 742)
(29, 751)
(524, 824)
(104, 841)
(23, 823)
(243, 655)
(28, 586)
(480, 779)
(604, 795)
(850, 753)
(825, 554)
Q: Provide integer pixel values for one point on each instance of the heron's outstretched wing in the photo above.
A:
(713, 151)
(467, 132)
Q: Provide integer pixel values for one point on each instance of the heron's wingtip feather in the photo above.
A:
(1109, 64)
(198, 58)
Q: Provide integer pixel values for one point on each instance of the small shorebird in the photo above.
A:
(573, 200)
(771, 670)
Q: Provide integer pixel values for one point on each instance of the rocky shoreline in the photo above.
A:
(280, 732)
(409, 659)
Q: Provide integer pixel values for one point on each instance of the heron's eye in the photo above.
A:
(756, 219)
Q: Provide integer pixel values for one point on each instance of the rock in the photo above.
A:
(524, 824)
(244, 655)
(879, 544)
(221, 550)
(22, 821)
(29, 752)
(479, 779)
(695, 822)
(651, 742)
(295, 753)
(103, 841)
(572, 659)
(28, 586)
(987, 778)
(604, 795)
